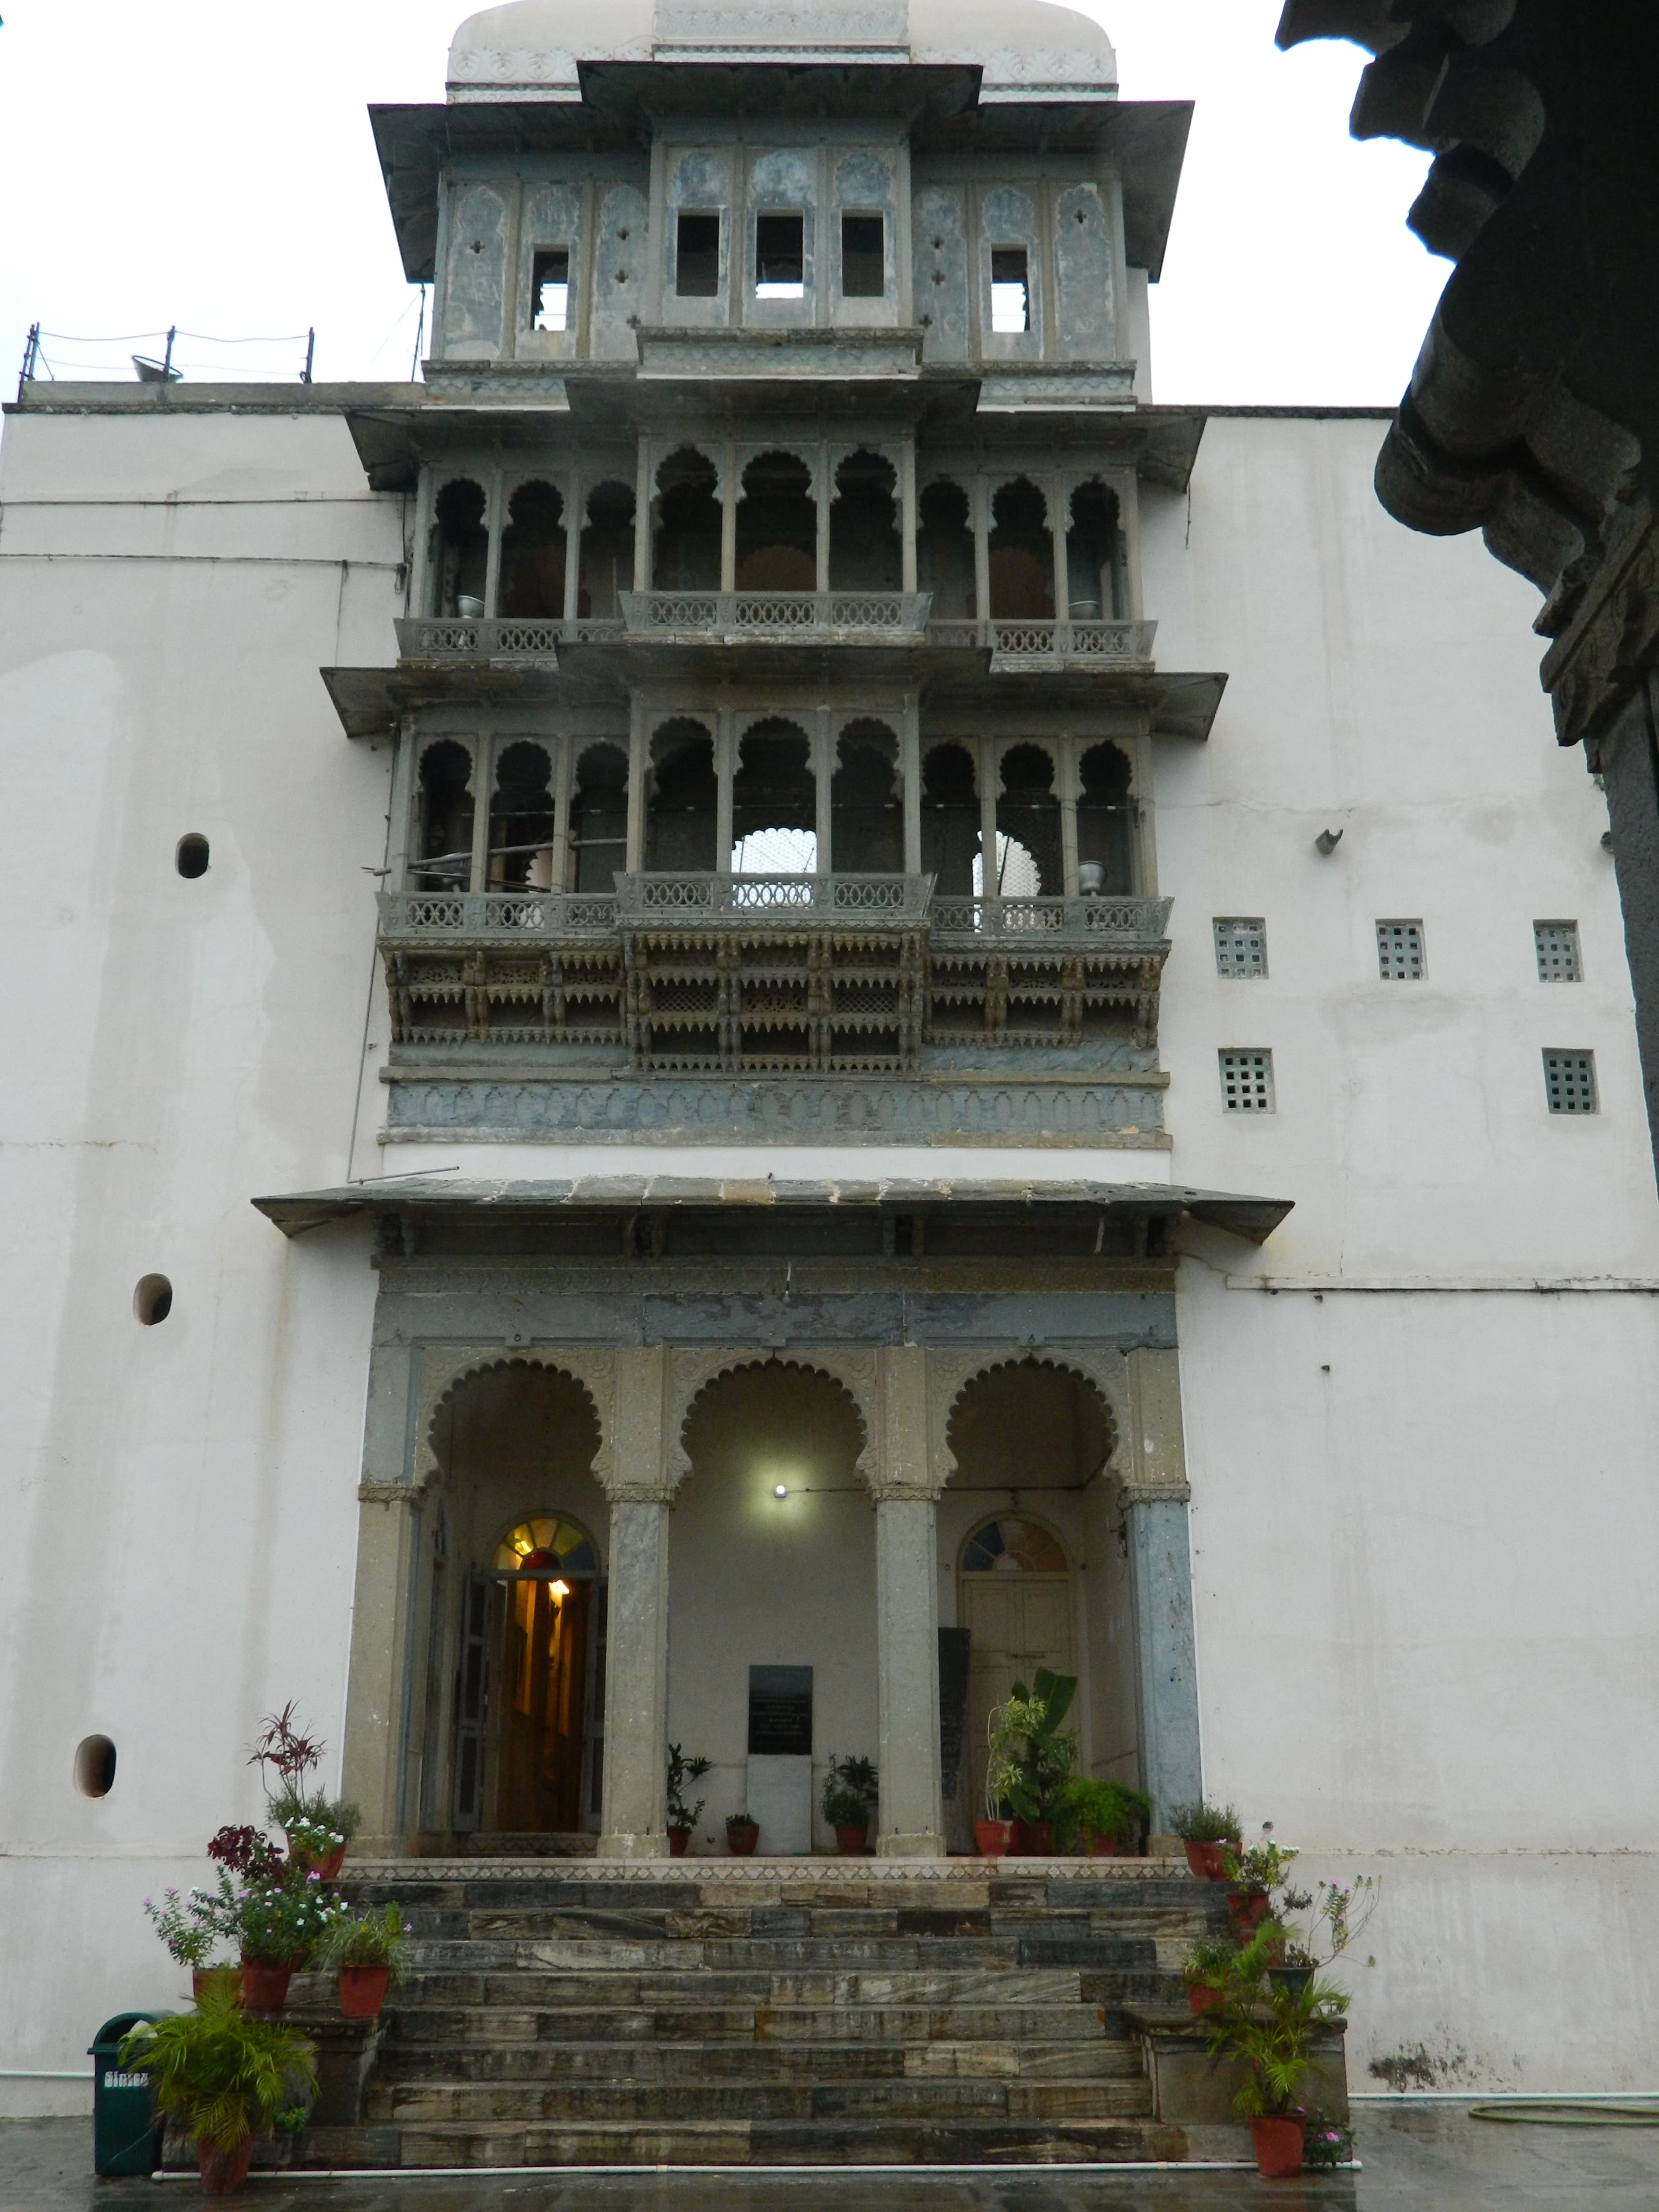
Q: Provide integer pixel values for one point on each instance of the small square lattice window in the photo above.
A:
(1247, 1081)
(1241, 945)
(1569, 1082)
(1400, 951)
(1558, 953)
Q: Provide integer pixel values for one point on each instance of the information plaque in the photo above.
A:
(781, 1711)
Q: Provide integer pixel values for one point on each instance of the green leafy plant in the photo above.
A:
(1211, 1963)
(1272, 2032)
(850, 1790)
(681, 1770)
(223, 2072)
(1029, 1759)
(373, 1938)
(1327, 2142)
(739, 1823)
(185, 1924)
(1090, 1811)
(297, 1810)
(1265, 1866)
(1204, 1823)
(274, 1922)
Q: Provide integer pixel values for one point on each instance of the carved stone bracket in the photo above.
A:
(444, 1368)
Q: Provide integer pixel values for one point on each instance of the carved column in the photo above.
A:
(497, 523)
(388, 1535)
(1056, 496)
(573, 549)
(981, 519)
(1155, 1497)
(729, 517)
(907, 1612)
(642, 517)
(908, 513)
(635, 1823)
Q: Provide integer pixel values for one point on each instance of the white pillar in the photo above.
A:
(635, 1822)
(911, 1817)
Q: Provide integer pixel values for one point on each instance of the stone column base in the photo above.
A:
(923, 1845)
(632, 1847)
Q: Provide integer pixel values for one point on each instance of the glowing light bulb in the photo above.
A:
(779, 1490)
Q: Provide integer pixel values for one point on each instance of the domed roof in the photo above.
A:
(528, 49)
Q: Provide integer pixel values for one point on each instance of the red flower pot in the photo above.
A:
(994, 1839)
(1035, 1838)
(224, 2172)
(362, 1991)
(1278, 2145)
(1205, 1860)
(1202, 1997)
(852, 1842)
(1102, 1847)
(329, 1867)
(264, 1985)
(741, 1840)
(678, 1840)
(1246, 1910)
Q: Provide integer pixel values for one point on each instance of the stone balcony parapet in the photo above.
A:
(731, 617)
(1044, 644)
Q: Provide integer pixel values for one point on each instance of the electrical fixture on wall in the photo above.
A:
(779, 1490)
(1326, 841)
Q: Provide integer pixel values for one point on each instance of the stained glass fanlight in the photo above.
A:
(1010, 1546)
(548, 1545)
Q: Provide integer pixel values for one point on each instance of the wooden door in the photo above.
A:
(1018, 1622)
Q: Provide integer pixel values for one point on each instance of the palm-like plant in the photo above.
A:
(223, 2071)
(1029, 1759)
(1272, 2033)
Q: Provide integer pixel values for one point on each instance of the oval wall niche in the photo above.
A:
(153, 1299)
(191, 857)
(95, 1767)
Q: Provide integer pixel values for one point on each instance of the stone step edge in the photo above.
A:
(851, 1872)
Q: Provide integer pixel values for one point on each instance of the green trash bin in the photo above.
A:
(126, 2130)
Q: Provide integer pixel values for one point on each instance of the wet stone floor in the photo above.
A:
(1413, 2159)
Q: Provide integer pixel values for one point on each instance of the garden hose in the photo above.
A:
(1570, 2115)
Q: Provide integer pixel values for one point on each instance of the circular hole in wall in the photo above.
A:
(191, 857)
(95, 1767)
(153, 1299)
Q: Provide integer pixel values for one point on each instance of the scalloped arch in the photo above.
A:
(951, 1381)
(695, 1373)
(444, 1373)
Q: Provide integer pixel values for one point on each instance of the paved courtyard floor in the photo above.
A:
(1415, 2158)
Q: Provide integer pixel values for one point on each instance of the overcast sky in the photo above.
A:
(210, 164)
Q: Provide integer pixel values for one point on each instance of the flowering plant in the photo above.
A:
(1265, 1866)
(185, 1924)
(277, 1922)
(1327, 2142)
(309, 1840)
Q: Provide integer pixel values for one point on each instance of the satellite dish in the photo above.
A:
(156, 372)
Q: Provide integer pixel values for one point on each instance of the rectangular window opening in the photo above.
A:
(1570, 1081)
(863, 257)
(1241, 945)
(697, 256)
(780, 257)
(1011, 289)
(550, 289)
(1400, 951)
(1559, 960)
(1247, 1080)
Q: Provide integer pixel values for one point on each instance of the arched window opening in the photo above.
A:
(863, 534)
(1091, 554)
(683, 798)
(606, 567)
(1022, 555)
(775, 803)
(599, 818)
(866, 820)
(532, 554)
(460, 550)
(686, 557)
(1106, 819)
(949, 820)
(945, 553)
(1010, 1545)
(547, 1545)
(777, 524)
(443, 835)
(1028, 815)
(521, 820)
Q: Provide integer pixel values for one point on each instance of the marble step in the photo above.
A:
(950, 2097)
(1069, 2021)
(541, 1989)
(435, 1923)
(1118, 2059)
(758, 2142)
(894, 1955)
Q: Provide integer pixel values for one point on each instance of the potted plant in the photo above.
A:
(225, 2074)
(1037, 1758)
(1271, 2034)
(1252, 1877)
(185, 1924)
(319, 1828)
(369, 1951)
(1326, 2144)
(682, 1817)
(742, 1834)
(276, 1923)
(1207, 1830)
(1098, 1818)
(850, 1790)
(1208, 1972)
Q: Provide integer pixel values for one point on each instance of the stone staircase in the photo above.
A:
(796, 2012)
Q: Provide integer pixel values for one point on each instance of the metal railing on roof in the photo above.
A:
(170, 356)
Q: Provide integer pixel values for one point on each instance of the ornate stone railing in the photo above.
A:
(740, 901)
(1094, 644)
(1114, 924)
(448, 917)
(480, 638)
(731, 616)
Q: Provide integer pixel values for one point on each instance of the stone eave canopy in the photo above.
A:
(621, 1197)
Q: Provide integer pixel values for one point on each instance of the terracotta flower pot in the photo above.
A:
(1102, 1847)
(264, 1985)
(1246, 1910)
(1204, 1997)
(678, 1842)
(325, 1868)
(850, 1841)
(224, 2172)
(362, 1991)
(1205, 1860)
(741, 1840)
(199, 1979)
(994, 1839)
(1278, 2145)
(1035, 1838)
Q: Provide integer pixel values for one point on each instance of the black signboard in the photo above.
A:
(953, 1655)
(780, 1710)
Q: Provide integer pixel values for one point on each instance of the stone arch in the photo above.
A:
(445, 1372)
(694, 1374)
(951, 1376)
